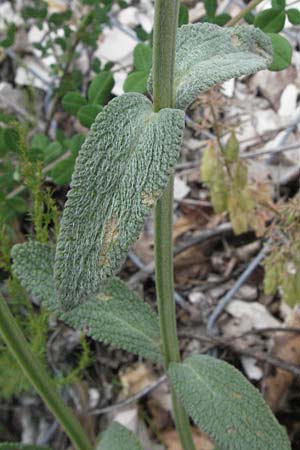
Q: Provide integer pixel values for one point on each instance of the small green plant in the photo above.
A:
(123, 170)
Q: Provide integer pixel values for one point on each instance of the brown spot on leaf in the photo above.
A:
(236, 41)
(103, 297)
(149, 199)
(110, 235)
(237, 395)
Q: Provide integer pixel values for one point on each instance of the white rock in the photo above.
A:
(196, 297)
(254, 315)
(228, 87)
(128, 418)
(288, 103)
(38, 78)
(181, 189)
(115, 45)
(8, 15)
(252, 370)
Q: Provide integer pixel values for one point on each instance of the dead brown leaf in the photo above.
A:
(171, 440)
(286, 347)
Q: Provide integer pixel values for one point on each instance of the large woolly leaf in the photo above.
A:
(226, 406)
(17, 446)
(207, 54)
(117, 437)
(116, 315)
(121, 170)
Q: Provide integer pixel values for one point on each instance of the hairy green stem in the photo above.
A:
(244, 12)
(37, 375)
(165, 27)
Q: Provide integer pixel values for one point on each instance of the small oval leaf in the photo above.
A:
(136, 82)
(120, 172)
(270, 20)
(142, 57)
(282, 52)
(207, 54)
(100, 88)
(88, 113)
(226, 406)
(115, 315)
(117, 437)
(72, 102)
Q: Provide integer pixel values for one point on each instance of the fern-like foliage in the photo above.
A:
(115, 315)
(121, 170)
(207, 54)
(226, 406)
(117, 437)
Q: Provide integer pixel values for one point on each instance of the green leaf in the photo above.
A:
(61, 174)
(211, 7)
(183, 17)
(279, 4)
(72, 102)
(115, 315)
(232, 149)
(39, 141)
(120, 172)
(53, 151)
(142, 57)
(87, 114)
(226, 406)
(118, 437)
(100, 88)
(221, 19)
(282, 52)
(270, 20)
(207, 54)
(18, 446)
(136, 82)
(294, 16)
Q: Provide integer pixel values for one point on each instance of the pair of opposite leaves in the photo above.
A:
(216, 395)
(130, 152)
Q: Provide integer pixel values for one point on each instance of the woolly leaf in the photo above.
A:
(116, 315)
(17, 446)
(226, 406)
(207, 54)
(121, 170)
(118, 437)
(33, 266)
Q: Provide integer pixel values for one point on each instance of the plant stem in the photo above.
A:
(37, 375)
(165, 27)
(244, 12)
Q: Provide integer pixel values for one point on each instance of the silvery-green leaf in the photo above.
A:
(33, 264)
(116, 315)
(226, 406)
(121, 170)
(117, 437)
(207, 54)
